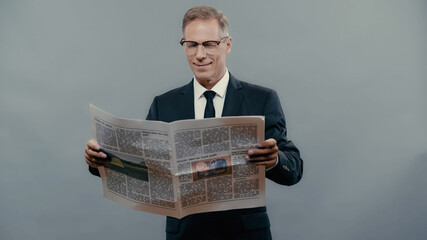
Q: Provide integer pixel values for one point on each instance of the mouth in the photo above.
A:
(202, 64)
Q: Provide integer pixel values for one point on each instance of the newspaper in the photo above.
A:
(180, 168)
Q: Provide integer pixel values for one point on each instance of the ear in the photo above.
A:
(229, 42)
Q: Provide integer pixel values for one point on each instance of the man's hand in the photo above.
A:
(265, 153)
(93, 157)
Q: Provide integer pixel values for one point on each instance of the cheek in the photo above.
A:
(220, 59)
(215, 58)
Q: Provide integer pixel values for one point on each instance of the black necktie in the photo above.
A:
(209, 109)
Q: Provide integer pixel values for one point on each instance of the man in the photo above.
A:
(206, 43)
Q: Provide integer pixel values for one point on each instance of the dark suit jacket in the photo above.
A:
(241, 99)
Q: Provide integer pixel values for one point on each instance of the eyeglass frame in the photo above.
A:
(203, 43)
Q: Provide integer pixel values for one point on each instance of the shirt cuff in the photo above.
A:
(277, 161)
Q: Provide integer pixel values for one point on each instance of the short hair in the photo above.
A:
(206, 13)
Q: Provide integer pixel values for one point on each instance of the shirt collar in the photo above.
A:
(220, 87)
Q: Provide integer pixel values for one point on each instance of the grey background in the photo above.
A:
(351, 76)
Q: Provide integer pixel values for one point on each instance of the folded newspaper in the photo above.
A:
(180, 168)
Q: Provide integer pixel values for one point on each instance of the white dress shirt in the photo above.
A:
(220, 89)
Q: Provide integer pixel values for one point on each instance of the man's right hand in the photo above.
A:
(93, 157)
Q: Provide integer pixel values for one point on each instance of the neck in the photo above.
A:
(210, 83)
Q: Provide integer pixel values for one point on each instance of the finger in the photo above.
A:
(94, 162)
(98, 161)
(95, 157)
(91, 163)
(269, 143)
(262, 151)
(93, 144)
(261, 158)
(94, 153)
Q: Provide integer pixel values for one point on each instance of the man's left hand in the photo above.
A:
(264, 154)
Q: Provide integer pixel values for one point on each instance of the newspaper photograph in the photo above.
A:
(183, 167)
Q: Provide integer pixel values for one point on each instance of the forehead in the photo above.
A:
(202, 30)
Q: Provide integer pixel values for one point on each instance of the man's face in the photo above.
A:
(207, 65)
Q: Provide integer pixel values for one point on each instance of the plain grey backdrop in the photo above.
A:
(351, 75)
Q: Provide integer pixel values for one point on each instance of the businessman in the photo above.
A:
(214, 92)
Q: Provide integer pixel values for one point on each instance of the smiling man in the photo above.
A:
(206, 58)
(214, 92)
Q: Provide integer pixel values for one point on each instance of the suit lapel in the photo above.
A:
(186, 103)
(233, 97)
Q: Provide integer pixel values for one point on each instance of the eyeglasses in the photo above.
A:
(190, 47)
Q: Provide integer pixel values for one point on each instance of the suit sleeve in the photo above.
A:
(152, 113)
(289, 168)
(94, 171)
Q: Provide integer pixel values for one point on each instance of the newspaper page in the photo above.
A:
(180, 168)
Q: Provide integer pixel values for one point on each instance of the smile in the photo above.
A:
(202, 65)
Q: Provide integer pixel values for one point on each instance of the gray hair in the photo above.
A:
(205, 13)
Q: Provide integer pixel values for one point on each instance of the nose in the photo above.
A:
(201, 53)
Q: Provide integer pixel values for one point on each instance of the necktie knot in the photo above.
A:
(209, 109)
(209, 94)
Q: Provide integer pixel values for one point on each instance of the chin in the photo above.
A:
(202, 76)
(202, 79)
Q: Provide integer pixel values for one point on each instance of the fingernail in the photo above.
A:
(250, 152)
(247, 158)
